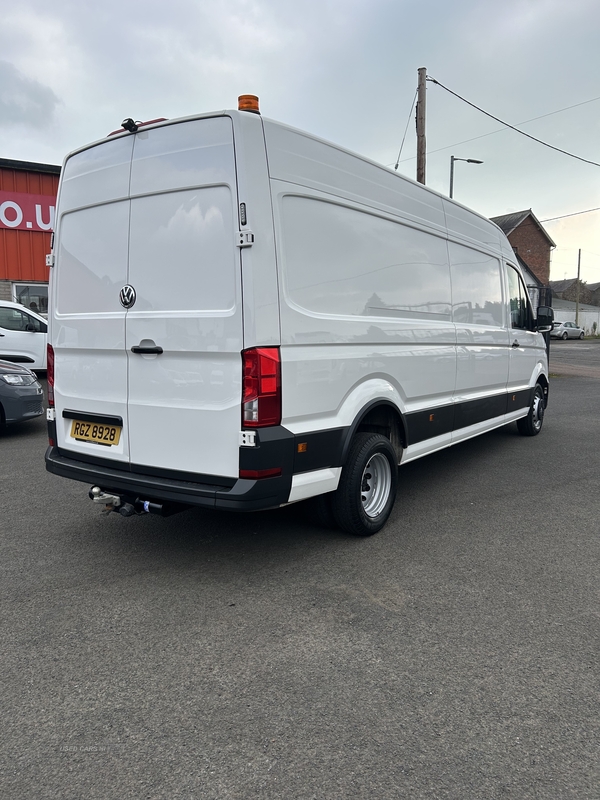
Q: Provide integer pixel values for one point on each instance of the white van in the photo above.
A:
(244, 316)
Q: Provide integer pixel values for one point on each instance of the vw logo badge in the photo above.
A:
(127, 296)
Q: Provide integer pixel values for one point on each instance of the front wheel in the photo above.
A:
(581, 335)
(531, 425)
(366, 493)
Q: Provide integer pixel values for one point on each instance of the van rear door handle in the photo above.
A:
(147, 348)
(516, 343)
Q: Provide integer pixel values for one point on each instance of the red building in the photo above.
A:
(27, 203)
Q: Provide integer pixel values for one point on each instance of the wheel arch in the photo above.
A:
(543, 381)
(378, 416)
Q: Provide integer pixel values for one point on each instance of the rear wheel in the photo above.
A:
(531, 425)
(565, 336)
(366, 493)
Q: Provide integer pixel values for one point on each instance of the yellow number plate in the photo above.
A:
(94, 432)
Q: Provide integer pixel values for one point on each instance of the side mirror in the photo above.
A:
(545, 318)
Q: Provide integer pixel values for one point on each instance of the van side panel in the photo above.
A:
(304, 160)
(362, 296)
(479, 314)
(385, 281)
(465, 226)
(364, 291)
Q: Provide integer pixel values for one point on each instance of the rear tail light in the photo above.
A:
(261, 387)
(50, 375)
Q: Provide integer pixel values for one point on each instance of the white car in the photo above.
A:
(23, 336)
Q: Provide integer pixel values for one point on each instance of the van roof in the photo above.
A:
(235, 114)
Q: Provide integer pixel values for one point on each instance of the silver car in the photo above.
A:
(567, 330)
(21, 395)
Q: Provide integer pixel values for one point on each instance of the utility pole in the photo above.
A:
(421, 125)
(577, 292)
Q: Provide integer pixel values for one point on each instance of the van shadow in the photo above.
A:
(213, 541)
(269, 539)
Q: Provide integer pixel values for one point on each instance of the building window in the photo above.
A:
(32, 295)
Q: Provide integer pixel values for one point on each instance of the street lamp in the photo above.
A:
(452, 160)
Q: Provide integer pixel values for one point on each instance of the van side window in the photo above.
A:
(476, 287)
(519, 306)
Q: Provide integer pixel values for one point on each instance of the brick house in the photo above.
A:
(567, 290)
(27, 201)
(530, 242)
(594, 289)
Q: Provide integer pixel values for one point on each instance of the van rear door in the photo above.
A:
(155, 212)
(87, 322)
(184, 402)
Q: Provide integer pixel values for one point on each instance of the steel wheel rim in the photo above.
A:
(538, 411)
(376, 485)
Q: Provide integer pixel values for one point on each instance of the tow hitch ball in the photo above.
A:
(114, 502)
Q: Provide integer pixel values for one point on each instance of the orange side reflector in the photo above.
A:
(303, 447)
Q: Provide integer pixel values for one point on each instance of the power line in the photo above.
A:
(512, 127)
(575, 214)
(500, 130)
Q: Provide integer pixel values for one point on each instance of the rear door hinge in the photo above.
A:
(245, 239)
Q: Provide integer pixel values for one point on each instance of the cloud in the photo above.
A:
(24, 101)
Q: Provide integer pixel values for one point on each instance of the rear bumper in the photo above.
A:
(205, 491)
(276, 447)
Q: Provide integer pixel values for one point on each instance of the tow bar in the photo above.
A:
(129, 508)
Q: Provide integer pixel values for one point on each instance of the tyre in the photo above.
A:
(565, 336)
(581, 335)
(366, 493)
(531, 425)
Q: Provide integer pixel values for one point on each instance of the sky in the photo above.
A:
(344, 70)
